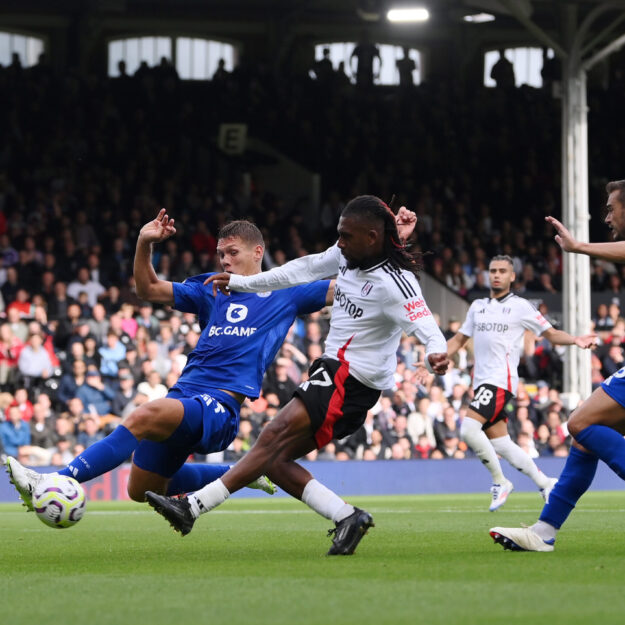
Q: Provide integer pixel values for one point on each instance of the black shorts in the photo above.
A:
(337, 403)
(489, 401)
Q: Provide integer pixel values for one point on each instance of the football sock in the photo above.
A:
(324, 502)
(191, 477)
(607, 444)
(476, 439)
(509, 450)
(574, 481)
(208, 497)
(545, 531)
(102, 456)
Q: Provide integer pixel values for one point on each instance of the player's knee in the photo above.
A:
(136, 494)
(140, 420)
(577, 422)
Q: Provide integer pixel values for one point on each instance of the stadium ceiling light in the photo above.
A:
(408, 14)
(479, 18)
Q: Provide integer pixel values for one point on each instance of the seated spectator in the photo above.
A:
(451, 446)
(24, 404)
(159, 362)
(83, 283)
(90, 431)
(148, 320)
(449, 425)
(152, 387)
(34, 362)
(95, 393)
(14, 432)
(18, 326)
(424, 447)
(98, 324)
(526, 443)
(70, 382)
(278, 381)
(127, 321)
(111, 354)
(613, 360)
(10, 348)
(42, 432)
(125, 394)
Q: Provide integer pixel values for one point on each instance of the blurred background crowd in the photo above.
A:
(85, 161)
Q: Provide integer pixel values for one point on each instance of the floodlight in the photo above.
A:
(408, 14)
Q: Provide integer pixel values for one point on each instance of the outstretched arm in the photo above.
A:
(149, 286)
(299, 271)
(613, 251)
(455, 343)
(559, 337)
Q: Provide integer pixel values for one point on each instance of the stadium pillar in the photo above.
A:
(576, 267)
(572, 51)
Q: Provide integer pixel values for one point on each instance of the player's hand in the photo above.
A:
(220, 282)
(158, 229)
(421, 374)
(439, 363)
(406, 221)
(564, 238)
(587, 341)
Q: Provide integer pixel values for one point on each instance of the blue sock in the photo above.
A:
(192, 477)
(607, 444)
(574, 481)
(102, 456)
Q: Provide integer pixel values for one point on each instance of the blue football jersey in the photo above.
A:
(241, 333)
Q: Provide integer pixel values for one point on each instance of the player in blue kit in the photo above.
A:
(597, 425)
(240, 337)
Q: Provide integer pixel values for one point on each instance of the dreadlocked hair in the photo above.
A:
(374, 209)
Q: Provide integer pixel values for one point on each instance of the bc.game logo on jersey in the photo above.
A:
(412, 309)
(236, 313)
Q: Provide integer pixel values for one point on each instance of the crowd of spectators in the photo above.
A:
(86, 160)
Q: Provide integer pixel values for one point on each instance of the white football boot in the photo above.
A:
(499, 494)
(25, 480)
(520, 539)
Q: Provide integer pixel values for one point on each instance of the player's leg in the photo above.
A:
(574, 481)
(162, 419)
(599, 424)
(508, 449)
(485, 408)
(290, 427)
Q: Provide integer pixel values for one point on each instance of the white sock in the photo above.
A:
(208, 498)
(509, 450)
(324, 502)
(476, 439)
(544, 530)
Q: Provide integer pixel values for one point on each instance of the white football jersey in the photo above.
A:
(497, 327)
(372, 308)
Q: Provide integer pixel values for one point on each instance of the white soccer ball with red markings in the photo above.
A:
(59, 501)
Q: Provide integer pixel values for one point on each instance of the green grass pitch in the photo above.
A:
(428, 560)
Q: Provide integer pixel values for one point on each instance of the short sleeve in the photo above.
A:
(467, 326)
(533, 319)
(192, 296)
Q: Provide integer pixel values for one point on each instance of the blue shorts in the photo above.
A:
(614, 386)
(210, 423)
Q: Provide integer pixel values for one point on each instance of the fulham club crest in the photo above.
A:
(366, 289)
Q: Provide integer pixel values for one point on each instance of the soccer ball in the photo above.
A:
(59, 501)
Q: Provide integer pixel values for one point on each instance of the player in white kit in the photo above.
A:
(497, 325)
(376, 298)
